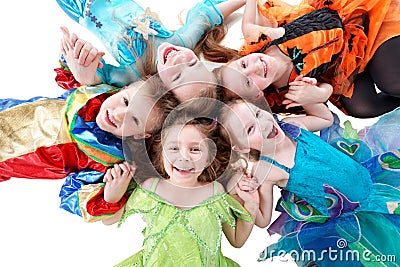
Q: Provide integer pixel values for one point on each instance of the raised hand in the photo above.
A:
(117, 180)
(82, 58)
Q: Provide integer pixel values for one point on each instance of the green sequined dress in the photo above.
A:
(176, 237)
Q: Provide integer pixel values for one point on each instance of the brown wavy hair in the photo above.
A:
(210, 48)
(208, 128)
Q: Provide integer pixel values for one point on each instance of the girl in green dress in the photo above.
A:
(186, 212)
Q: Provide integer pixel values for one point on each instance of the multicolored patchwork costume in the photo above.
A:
(117, 23)
(176, 237)
(332, 41)
(342, 196)
(56, 138)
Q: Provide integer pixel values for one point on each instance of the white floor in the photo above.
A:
(33, 230)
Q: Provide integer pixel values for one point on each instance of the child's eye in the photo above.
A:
(258, 114)
(176, 77)
(248, 82)
(195, 149)
(173, 148)
(126, 101)
(250, 130)
(192, 63)
(243, 65)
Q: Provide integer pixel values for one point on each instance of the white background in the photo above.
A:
(34, 231)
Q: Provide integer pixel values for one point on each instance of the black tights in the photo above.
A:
(383, 70)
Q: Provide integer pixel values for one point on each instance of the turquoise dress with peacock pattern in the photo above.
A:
(343, 196)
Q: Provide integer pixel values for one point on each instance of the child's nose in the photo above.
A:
(185, 155)
(119, 114)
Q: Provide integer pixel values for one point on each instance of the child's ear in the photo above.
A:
(141, 136)
(241, 150)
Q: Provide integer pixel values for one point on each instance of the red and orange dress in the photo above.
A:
(332, 41)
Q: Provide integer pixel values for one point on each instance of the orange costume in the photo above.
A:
(329, 40)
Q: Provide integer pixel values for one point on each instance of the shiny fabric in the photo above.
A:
(34, 139)
(175, 237)
(336, 54)
(340, 192)
(64, 77)
(55, 138)
(83, 194)
(114, 23)
(96, 143)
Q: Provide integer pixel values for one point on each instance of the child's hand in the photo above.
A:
(304, 91)
(117, 180)
(248, 183)
(82, 57)
(251, 198)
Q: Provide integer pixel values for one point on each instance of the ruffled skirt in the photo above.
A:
(355, 234)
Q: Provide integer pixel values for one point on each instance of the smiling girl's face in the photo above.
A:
(252, 127)
(185, 154)
(248, 76)
(178, 66)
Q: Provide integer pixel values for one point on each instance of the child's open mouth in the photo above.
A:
(167, 52)
(185, 170)
(110, 120)
(273, 133)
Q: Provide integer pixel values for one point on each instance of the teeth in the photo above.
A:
(186, 170)
(273, 132)
(169, 52)
(111, 120)
(264, 68)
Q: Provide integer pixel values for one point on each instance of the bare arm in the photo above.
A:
(242, 231)
(228, 7)
(318, 116)
(257, 180)
(260, 171)
(117, 181)
(252, 25)
(306, 90)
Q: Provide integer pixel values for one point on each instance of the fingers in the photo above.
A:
(298, 78)
(63, 47)
(65, 31)
(98, 58)
(119, 171)
(291, 96)
(73, 38)
(293, 104)
(79, 53)
(248, 183)
(132, 167)
(86, 53)
(107, 176)
(309, 80)
(296, 84)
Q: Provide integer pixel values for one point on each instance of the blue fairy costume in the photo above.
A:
(341, 197)
(126, 30)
